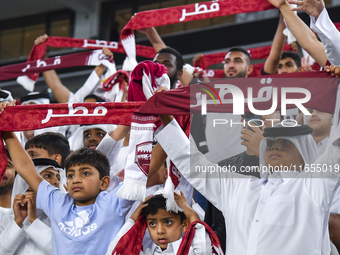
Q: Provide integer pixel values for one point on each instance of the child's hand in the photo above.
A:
(5, 104)
(160, 89)
(19, 209)
(31, 206)
(139, 209)
(187, 210)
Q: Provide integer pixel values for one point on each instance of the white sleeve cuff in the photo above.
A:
(41, 234)
(11, 238)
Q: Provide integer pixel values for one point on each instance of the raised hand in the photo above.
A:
(19, 209)
(108, 53)
(252, 139)
(3, 105)
(187, 209)
(305, 64)
(139, 209)
(41, 39)
(30, 199)
(311, 7)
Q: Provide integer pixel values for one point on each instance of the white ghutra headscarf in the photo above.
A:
(300, 136)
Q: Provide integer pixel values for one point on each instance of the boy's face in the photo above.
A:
(283, 152)
(287, 65)
(165, 227)
(92, 137)
(35, 152)
(52, 176)
(321, 122)
(84, 184)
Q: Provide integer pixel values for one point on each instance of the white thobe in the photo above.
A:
(31, 239)
(276, 215)
(329, 35)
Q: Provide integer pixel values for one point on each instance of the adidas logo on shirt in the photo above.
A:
(77, 228)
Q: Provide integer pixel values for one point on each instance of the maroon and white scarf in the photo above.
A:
(185, 13)
(89, 58)
(145, 79)
(115, 85)
(131, 242)
(38, 51)
(175, 102)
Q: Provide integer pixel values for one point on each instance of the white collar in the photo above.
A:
(171, 249)
(284, 175)
(323, 141)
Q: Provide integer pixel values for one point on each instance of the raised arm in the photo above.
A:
(60, 92)
(154, 38)
(311, 7)
(272, 62)
(323, 26)
(52, 80)
(22, 161)
(220, 190)
(101, 68)
(302, 33)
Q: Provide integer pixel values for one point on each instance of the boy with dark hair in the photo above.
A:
(49, 145)
(88, 157)
(290, 62)
(165, 228)
(159, 202)
(86, 215)
(294, 56)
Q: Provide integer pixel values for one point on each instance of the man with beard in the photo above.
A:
(173, 62)
(237, 63)
(6, 185)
